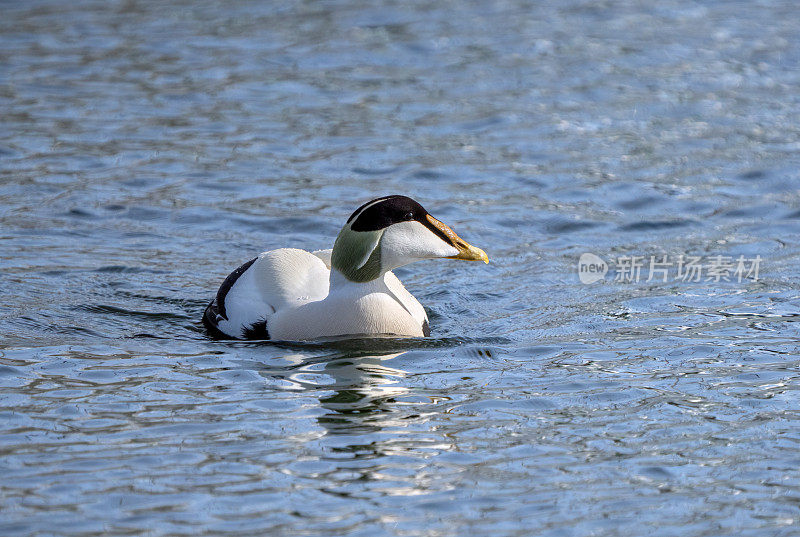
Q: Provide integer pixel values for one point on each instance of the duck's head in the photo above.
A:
(389, 232)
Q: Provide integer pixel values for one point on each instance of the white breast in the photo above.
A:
(382, 306)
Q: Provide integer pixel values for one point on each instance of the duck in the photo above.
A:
(350, 290)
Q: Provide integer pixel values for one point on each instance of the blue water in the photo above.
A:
(148, 148)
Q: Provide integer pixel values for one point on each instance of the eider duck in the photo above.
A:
(295, 295)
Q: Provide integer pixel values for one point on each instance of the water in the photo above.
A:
(148, 149)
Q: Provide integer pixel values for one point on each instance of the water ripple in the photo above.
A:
(147, 149)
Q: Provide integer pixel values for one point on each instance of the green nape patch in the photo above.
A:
(357, 254)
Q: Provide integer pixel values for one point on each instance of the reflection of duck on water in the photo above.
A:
(363, 387)
(291, 294)
(370, 419)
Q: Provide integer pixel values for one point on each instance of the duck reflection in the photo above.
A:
(373, 432)
(365, 396)
(362, 392)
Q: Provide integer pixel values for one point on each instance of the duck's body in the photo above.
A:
(291, 294)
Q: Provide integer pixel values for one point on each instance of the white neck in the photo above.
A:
(338, 282)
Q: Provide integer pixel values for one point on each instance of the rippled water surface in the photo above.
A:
(148, 148)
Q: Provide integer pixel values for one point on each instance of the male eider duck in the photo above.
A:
(291, 294)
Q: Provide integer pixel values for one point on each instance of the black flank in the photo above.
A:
(226, 286)
(210, 321)
(257, 330)
(426, 328)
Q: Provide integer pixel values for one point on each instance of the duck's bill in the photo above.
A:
(465, 250)
(470, 253)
